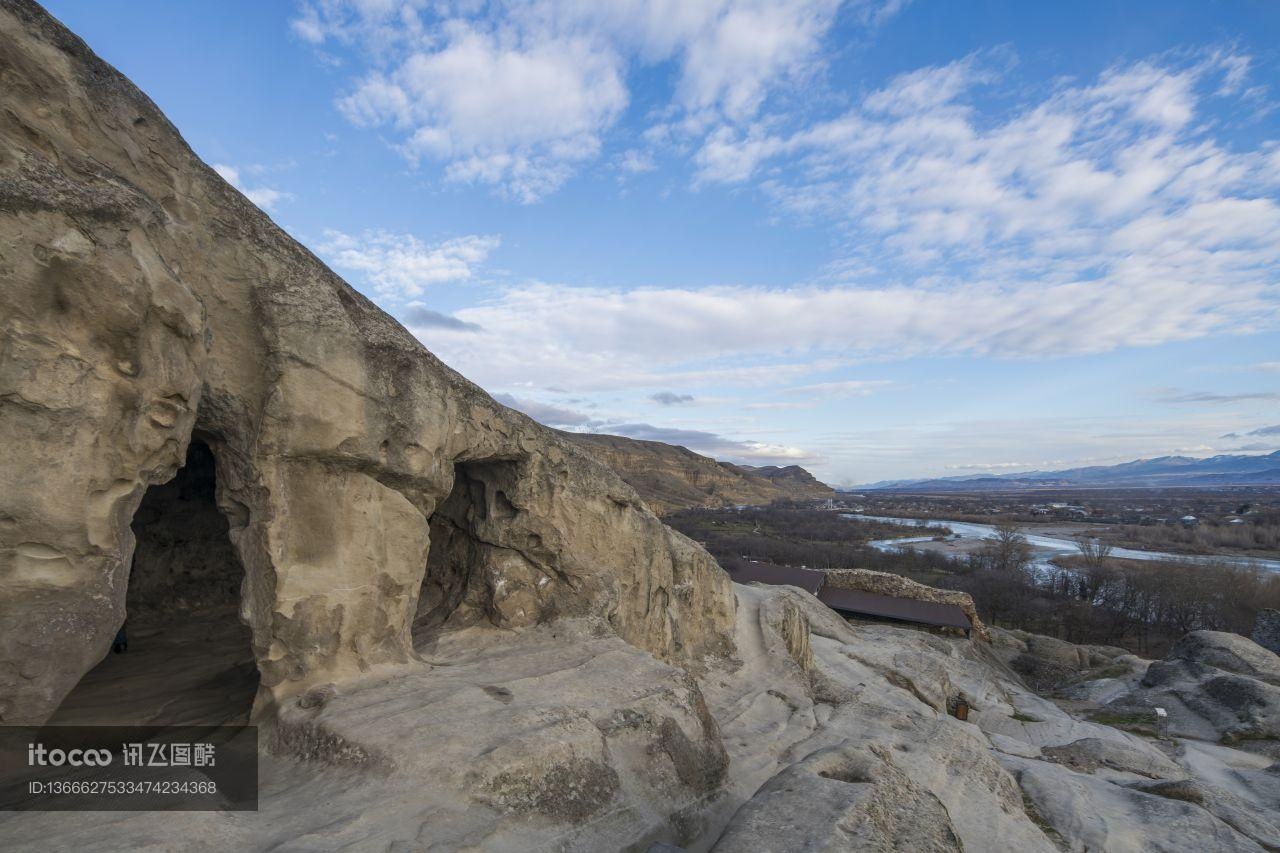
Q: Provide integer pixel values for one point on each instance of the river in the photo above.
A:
(1044, 548)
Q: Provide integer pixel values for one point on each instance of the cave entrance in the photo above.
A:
(477, 502)
(189, 657)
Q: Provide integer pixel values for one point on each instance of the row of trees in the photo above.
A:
(1256, 532)
(1093, 598)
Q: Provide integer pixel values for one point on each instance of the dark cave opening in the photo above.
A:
(477, 501)
(189, 657)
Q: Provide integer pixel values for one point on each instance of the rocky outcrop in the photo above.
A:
(1228, 652)
(883, 583)
(147, 305)
(565, 738)
(1213, 685)
(1090, 813)
(850, 798)
(1047, 663)
(796, 481)
(671, 478)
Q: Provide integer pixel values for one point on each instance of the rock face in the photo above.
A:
(671, 478)
(1047, 663)
(841, 799)
(1214, 685)
(791, 478)
(147, 306)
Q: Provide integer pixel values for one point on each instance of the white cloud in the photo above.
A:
(776, 406)
(546, 413)
(1099, 195)
(877, 13)
(519, 94)
(1218, 397)
(264, 197)
(843, 388)
(730, 64)
(927, 88)
(593, 338)
(726, 156)
(514, 116)
(634, 161)
(1103, 216)
(1119, 173)
(990, 466)
(400, 266)
(716, 446)
(700, 441)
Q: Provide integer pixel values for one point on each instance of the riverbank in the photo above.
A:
(959, 547)
(1047, 541)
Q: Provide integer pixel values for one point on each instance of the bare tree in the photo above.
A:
(1095, 552)
(1096, 556)
(1009, 551)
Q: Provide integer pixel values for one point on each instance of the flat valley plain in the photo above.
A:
(1237, 522)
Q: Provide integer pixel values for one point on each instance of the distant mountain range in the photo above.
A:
(1160, 472)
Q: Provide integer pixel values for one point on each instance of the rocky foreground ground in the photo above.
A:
(815, 735)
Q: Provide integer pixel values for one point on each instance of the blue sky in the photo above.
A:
(879, 239)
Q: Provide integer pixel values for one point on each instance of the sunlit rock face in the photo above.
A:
(671, 478)
(145, 304)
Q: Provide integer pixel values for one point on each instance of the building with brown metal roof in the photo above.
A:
(853, 602)
(775, 575)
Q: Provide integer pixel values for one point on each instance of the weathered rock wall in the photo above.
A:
(144, 301)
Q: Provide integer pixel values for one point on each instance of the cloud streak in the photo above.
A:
(546, 413)
(699, 441)
(582, 337)
(713, 445)
(400, 266)
(418, 316)
(1214, 397)
(264, 197)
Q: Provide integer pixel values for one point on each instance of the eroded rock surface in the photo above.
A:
(146, 302)
(1214, 686)
(841, 799)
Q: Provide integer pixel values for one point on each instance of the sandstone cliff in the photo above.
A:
(368, 487)
(671, 478)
